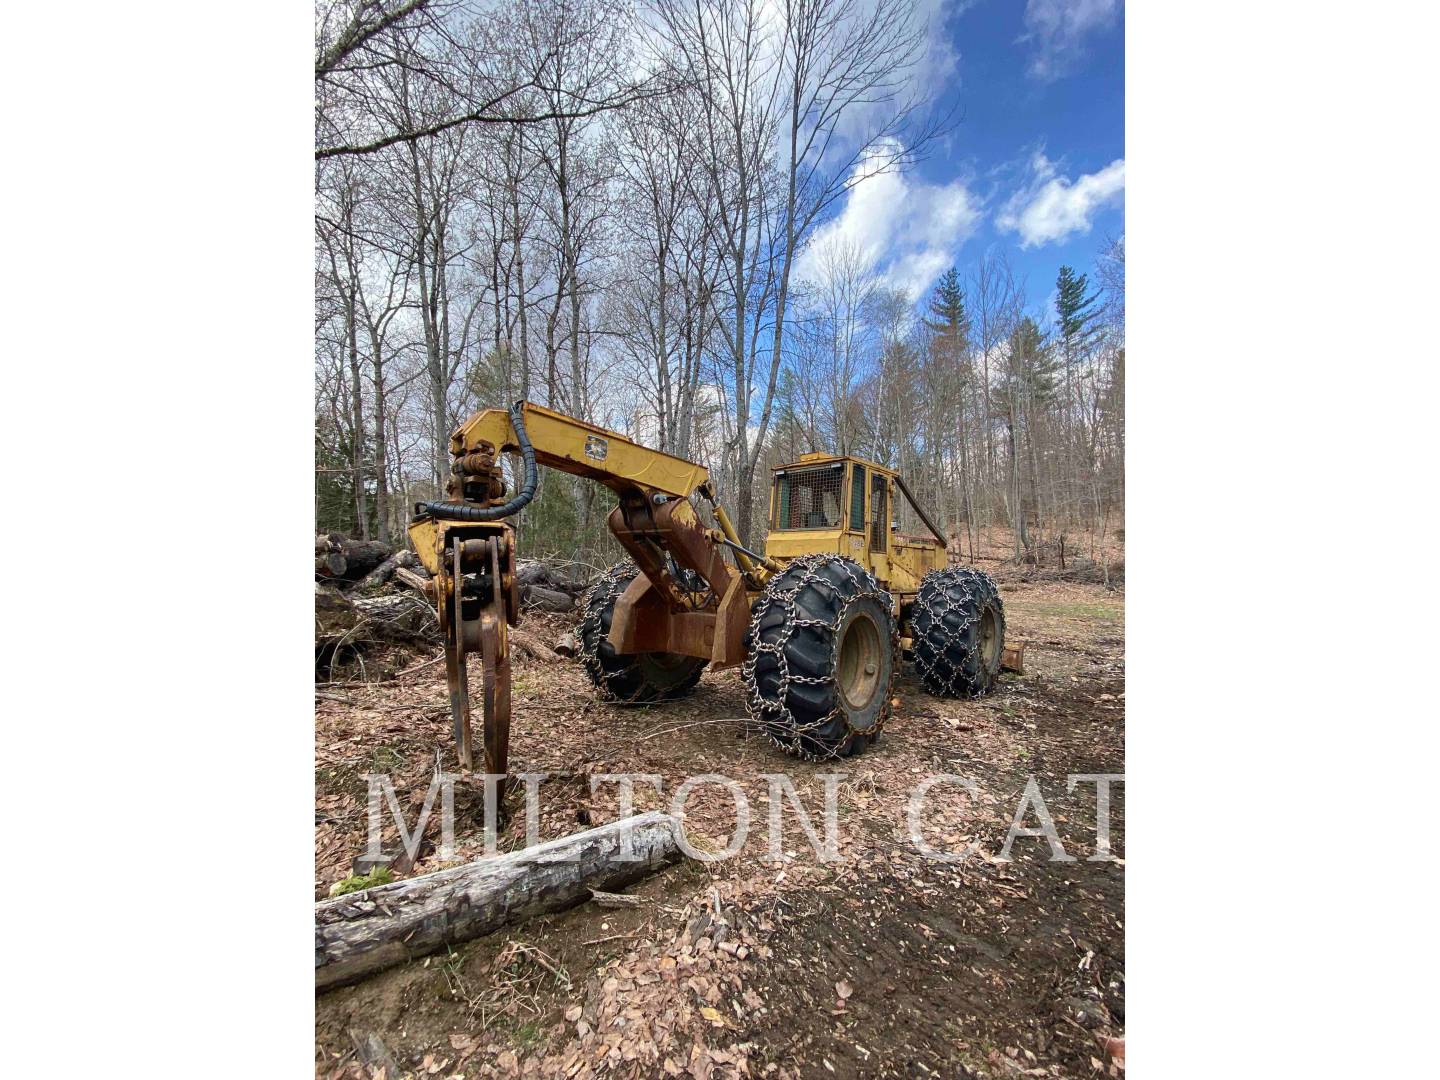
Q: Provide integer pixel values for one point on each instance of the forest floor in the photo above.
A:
(881, 963)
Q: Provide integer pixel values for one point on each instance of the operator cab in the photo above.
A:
(847, 505)
(826, 503)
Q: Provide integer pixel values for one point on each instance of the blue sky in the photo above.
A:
(1036, 163)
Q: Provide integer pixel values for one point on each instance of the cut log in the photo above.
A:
(414, 580)
(568, 645)
(337, 556)
(381, 573)
(367, 931)
(554, 575)
(546, 599)
(523, 641)
(529, 573)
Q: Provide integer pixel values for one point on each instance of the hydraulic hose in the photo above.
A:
(465, 512)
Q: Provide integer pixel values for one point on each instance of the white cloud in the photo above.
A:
(1051, 207)
(906, 231)
(935, 70)
(1058, 29)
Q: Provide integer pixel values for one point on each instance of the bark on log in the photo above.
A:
(409, 577)
(522, 641)
(340, 557)
(546, 599)
(558, 577)
(365, 932)
(400, 616)
(334, 613)
(381, 573)
(529, 573)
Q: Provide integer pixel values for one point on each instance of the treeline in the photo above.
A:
(601, 208)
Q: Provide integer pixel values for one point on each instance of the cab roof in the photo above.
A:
(807, 461)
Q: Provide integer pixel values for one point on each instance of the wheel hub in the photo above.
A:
(858, 665)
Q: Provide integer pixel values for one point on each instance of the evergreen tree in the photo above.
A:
(334, 483)
(1029, 376)
(1077, 310)
(1079, 324)
(949, 325)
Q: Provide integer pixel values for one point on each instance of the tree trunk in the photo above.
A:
(365, 932)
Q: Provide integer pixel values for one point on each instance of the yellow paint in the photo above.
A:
(424, 533)
(899, 565)
(573, 446)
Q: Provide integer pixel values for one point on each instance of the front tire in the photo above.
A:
(957, 627)
(628, 678)
(821, 652)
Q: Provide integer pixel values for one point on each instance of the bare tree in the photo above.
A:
(563, 201)
(457, 48)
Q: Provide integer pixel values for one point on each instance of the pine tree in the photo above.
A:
(1079, 323)
(948, 382)
(951, 322)
(1078, 312)
(1029, 377)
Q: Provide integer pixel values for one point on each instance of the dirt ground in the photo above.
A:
(881, 963)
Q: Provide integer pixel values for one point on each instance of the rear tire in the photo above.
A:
(957, 628)
(821, 658)
(628, 678)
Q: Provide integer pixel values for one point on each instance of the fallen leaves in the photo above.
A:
(663, 980)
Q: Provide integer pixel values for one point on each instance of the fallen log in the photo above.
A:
(381, 573)
(614, 899)
(338, 556)
(334, 613)
(364, 932)
(546, 599)
(414, 580)
(522, 641)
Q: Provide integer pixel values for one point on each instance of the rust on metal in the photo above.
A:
(1013, 658)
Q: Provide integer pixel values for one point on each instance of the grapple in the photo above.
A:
(476, 599)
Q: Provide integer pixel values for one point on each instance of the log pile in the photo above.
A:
(550, 585)
(367, 592)
(343, 559)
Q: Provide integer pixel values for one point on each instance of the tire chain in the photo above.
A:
(954, 682)
(591, 629)
(770, 716)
